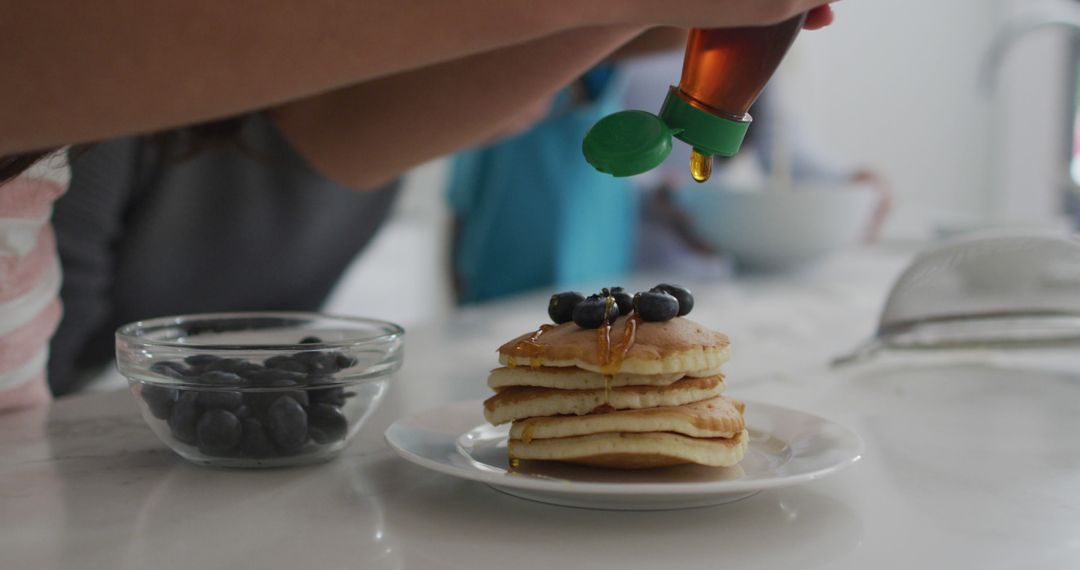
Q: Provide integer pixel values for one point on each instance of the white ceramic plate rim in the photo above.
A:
(606, 488)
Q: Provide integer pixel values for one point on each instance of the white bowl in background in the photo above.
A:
(779, 229)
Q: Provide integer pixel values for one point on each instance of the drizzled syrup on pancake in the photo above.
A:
(603, 344)
(612, 356)
(623, 346)
(603, 338)
(528, 348)
(603, 335)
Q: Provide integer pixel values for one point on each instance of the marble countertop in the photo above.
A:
(970, 463)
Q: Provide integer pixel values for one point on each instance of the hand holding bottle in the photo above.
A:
(710, 13)
(724, 71)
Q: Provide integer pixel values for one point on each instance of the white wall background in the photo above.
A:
(893, 84)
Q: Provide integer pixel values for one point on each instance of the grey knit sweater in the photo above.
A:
(247, 226)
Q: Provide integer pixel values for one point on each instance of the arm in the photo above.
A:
(367, 134)
(81, 71)
(654, 41)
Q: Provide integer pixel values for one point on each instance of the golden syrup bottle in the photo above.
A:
(724, 71)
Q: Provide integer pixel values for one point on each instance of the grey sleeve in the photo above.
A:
(88, 221)
(243, 225)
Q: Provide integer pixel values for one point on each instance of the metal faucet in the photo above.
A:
(1054, 14)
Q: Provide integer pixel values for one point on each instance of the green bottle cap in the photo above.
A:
(706, 132)
(627, 143)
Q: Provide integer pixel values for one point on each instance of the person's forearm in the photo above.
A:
(652, 42)
(82, 71)
(79, 71)
(370, 133)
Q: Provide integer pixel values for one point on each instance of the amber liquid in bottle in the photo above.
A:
(724, 71)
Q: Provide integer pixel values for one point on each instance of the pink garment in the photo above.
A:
(30, 307)
(33, 392)
(19, 274)
(20, 345)
(29, 197)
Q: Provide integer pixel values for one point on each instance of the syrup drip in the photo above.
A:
(629, 335)
(611, 356)
(539, 332)
(527, 433)
(700, 166)
(528, 348)
(603, 344)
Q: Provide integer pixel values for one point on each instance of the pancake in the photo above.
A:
(572, 378)
(716, 417)
(634, 450)
(669, 347)
(519, 402)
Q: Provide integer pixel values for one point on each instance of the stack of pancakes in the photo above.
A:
(635, 395)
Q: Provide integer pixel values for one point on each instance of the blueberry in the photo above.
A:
(170, 369)
(231, 365)
(595, 311)
(201, 360)
(218, 431)
(300, 396)
(182, 418)
(625, 301)
(561, 306)
(343, 361)
(267, 377)
(334, 395)
(219, 378)
(285, 363)
(656, 306)
(311, 340)
(260, 402)
(247, 369)
(287, 422)
(159, 399)
(318, 363)
(325, 365)
(255, 442)
(681, 294)
(326, 423)
(213, 400)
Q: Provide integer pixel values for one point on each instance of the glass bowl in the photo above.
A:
(264, 389)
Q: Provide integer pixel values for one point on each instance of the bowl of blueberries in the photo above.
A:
(262, 389)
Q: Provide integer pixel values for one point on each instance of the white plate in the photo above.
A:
(786, 447)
